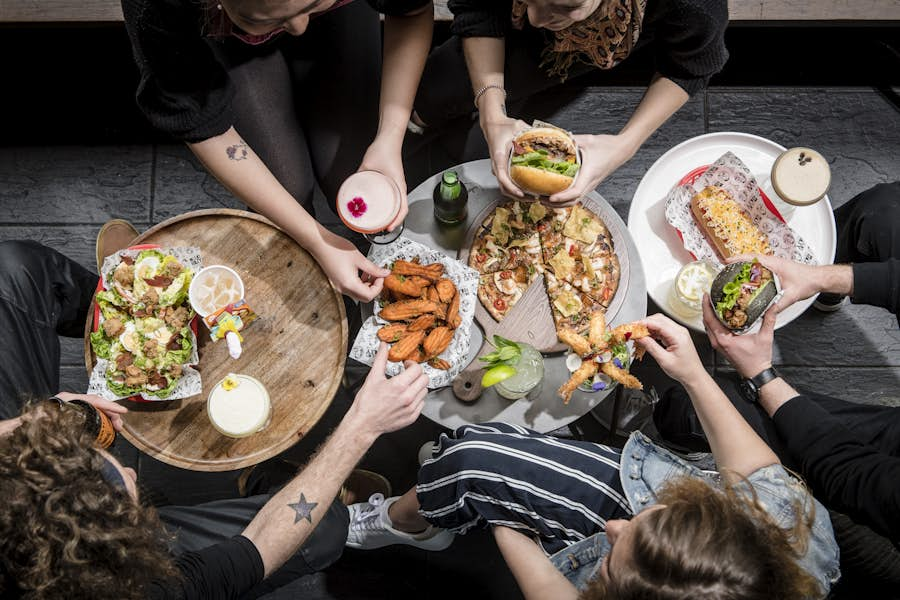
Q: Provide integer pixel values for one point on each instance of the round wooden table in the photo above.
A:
(296, 348)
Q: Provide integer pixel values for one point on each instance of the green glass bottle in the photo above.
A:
(450, 199)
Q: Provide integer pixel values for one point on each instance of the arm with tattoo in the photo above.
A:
(382, 405)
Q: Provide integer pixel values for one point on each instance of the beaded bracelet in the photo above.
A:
(481, 92)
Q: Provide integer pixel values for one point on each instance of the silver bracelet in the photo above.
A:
(481, 92)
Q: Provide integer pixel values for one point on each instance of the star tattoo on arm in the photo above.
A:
(303, 509)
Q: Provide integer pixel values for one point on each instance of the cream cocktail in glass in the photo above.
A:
(367, 202)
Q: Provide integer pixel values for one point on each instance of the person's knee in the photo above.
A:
(21, 263)
(879, 203)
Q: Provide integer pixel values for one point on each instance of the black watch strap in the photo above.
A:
(765, 377)
(750, 387)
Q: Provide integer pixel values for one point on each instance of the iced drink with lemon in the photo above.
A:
(213, 288)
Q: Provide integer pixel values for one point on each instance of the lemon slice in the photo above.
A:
(496, 375)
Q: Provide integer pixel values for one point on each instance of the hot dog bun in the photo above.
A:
(727, 227)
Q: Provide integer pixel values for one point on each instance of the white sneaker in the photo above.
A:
(371, 527)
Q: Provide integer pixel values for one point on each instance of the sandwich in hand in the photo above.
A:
(741, 293)
(544, 161)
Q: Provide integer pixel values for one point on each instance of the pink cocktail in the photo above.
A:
(368, 202)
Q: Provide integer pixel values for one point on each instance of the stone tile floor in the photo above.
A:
(61, 195)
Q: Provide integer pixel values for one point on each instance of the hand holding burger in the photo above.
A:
(600, 156)
(499, 133)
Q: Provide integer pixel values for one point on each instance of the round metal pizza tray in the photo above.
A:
(542, 410)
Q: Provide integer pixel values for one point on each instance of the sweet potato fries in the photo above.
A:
(423, 309)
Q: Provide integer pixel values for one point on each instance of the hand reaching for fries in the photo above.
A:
(383, 405)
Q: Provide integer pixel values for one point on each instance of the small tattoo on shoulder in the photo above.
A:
(238, 151)
(303, 509)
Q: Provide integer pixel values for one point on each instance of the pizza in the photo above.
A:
(571, 246)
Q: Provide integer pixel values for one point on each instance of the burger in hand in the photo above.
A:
(544, 161)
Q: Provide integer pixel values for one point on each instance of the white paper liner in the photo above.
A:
(466, 280)
(190, 383)
(730, 173)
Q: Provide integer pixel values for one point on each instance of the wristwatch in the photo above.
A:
(750, 387)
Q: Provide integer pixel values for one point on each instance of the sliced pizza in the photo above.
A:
(499, 291)
(580, 251)
(571, 308)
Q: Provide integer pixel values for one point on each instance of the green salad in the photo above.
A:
(144, 329)
(540, 160)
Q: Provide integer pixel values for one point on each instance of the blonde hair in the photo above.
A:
(712, 544)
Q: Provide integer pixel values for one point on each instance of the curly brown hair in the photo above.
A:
(64, 531)
(710, 544)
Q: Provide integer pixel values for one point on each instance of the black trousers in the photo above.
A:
(44, 295)
(868, 226)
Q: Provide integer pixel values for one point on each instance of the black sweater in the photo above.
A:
(184, 90)
(688, 35)
(845, 474)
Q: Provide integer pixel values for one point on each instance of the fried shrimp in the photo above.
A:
(629, 331)
(574, 340)
(587, 370)
(597, 334)
(622, 376)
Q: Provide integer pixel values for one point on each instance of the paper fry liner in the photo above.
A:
(466, 280)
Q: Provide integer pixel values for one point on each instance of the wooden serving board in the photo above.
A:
(536, 320)
(296, 348)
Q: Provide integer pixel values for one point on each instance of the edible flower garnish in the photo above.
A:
(230, 382)
(357, 206)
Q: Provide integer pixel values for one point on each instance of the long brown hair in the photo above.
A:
(64, 531)
(711, 544)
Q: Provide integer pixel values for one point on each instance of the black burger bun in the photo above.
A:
(758, 304)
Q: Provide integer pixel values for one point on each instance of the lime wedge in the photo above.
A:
(496, 375)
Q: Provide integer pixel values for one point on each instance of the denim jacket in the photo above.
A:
(646, 467)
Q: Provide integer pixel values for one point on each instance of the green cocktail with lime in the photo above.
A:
(514, 368)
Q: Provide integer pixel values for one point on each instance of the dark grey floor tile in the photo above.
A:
(183, 184)
(74, 241)
(74, 184)
(856, 335)
(73, 378)
(875, 385)
(857, 131)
